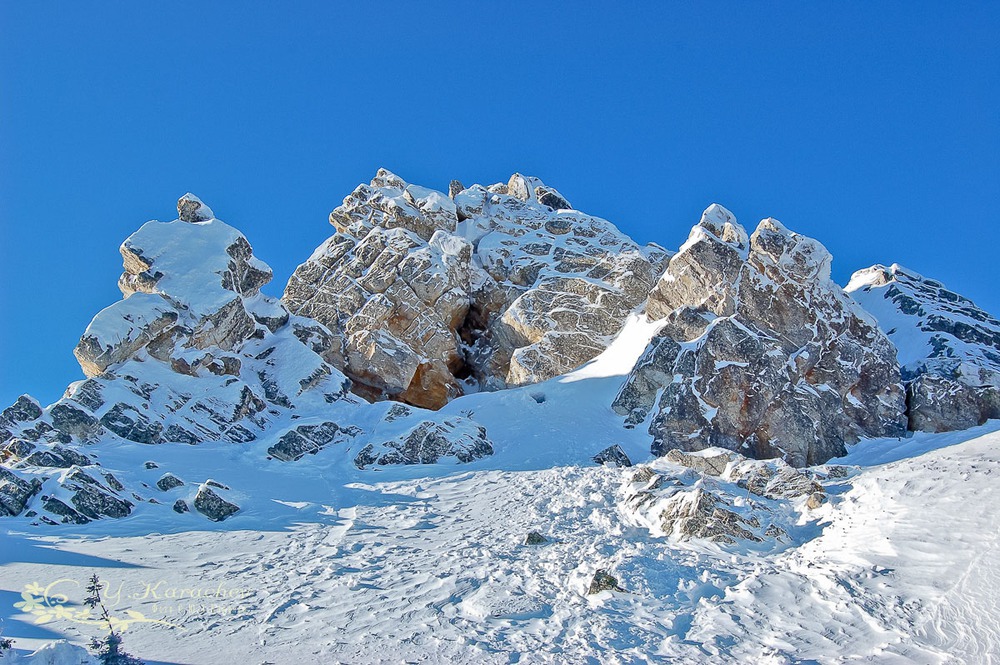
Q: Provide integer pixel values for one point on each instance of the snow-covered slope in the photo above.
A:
(431, 566)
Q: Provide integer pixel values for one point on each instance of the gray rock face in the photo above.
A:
(760, 352)
(93, 500)
(613, 456)
(74, 421)
(427, 294)
(89, 499)
(944, 404)
(603, 581)
(429, 443)
(24, 410)
(710, 464)
(310, 439)
(701, 514)
(168, 482)
(949, 349)
(15, 492)
(213, 506)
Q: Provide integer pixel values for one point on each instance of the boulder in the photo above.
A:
(310, 439)
(603, 581)
(213, 506)
(613, 456)
(92, 499)
(168, 481)
(535, 538)
(429, 443)
(712, 461)
(701, 514)
(15, 492)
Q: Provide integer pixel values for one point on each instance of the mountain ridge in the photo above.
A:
(432, 295)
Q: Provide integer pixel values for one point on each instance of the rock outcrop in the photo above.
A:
(429, 296)
(211, 505)
(613, 456)
(759, 352)
(722, 496)
(430, 442)
(949, 348)
(195, 353)
(195, 337)
(603, 581)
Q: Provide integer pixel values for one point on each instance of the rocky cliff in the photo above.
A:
(949, 349)
(430, 296)
(760, 352)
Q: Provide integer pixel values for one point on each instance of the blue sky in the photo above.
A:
(871, 126)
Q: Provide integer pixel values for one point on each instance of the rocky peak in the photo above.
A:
(196, 261)
(433, 295)
(721, 224)
(759, 351)
(191, 209)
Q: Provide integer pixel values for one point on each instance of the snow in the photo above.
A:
(328, 563)
(192, 258)
(126, 320)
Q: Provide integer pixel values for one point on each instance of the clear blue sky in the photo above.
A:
(872, 126)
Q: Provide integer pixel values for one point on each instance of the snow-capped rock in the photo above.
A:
(949, 349)
(211, 505)
(193, 353)
(707, 494)
(760, 352)
(432, 295)
(429, 443)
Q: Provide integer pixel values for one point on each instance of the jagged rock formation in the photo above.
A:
(949, 349)
(759, 351)
(430, 296)
(420, 297)
(194, 352)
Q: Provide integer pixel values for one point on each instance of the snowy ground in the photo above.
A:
(328, 564)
